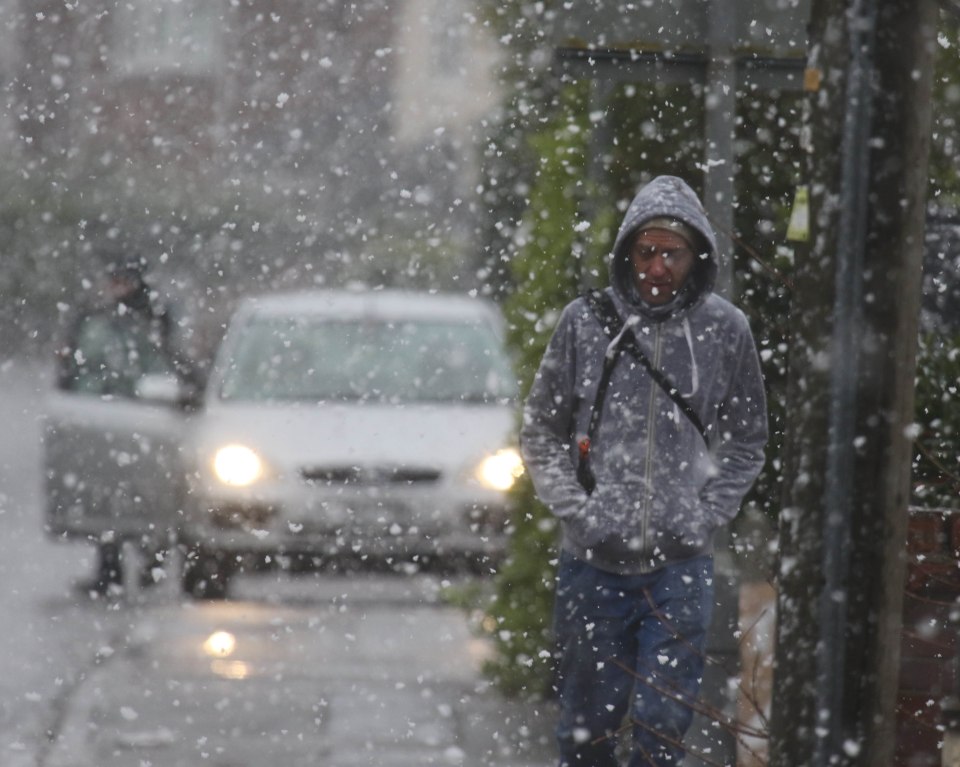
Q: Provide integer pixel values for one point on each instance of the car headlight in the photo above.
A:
(237, 465)
(500, 470)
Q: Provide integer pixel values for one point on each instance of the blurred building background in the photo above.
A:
(238, 145)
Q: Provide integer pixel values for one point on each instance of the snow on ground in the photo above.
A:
(45, 637)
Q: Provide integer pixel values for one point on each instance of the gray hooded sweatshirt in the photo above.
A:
(661, 491)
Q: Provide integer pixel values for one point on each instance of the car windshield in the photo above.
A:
(378, 361)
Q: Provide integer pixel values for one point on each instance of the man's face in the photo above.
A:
(662, 261)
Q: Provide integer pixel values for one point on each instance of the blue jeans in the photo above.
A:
(623, 637)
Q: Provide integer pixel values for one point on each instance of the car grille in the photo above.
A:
(369, 475)
(242, 516)
(486, 518)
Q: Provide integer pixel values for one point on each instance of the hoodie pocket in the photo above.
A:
(678, 526)
(610, 520)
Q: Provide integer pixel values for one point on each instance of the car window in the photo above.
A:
(111, 353)
(408, 361)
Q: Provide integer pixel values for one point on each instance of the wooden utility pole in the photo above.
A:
(850, 398)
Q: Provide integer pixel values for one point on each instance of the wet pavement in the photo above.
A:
(336, 671)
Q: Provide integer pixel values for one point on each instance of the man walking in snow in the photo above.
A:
(643, 431)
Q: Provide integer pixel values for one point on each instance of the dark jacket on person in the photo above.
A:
(108, 345)
(661, 490)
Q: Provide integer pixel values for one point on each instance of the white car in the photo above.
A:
(334, 427)
(364, 426)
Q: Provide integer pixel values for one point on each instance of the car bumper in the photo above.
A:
(362, 523)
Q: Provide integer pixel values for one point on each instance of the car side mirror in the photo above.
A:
(161, 388)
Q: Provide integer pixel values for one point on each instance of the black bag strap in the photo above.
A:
(606, 313)
(584, 473)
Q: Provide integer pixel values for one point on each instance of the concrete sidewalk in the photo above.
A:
(340, 672)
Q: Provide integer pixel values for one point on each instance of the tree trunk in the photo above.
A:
(850, 397)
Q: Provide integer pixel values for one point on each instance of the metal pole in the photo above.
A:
(719, 160)
(598, 162)
(851, 243)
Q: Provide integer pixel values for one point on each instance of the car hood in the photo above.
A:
(290, 437)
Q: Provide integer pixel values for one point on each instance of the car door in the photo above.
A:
(112, 433)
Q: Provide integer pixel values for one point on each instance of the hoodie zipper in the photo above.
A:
(648, 462)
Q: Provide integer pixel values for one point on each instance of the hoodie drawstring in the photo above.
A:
(695, 373)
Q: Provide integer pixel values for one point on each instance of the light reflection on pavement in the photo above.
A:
(349, 671)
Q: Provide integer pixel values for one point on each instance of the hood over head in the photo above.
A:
(662, 199)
